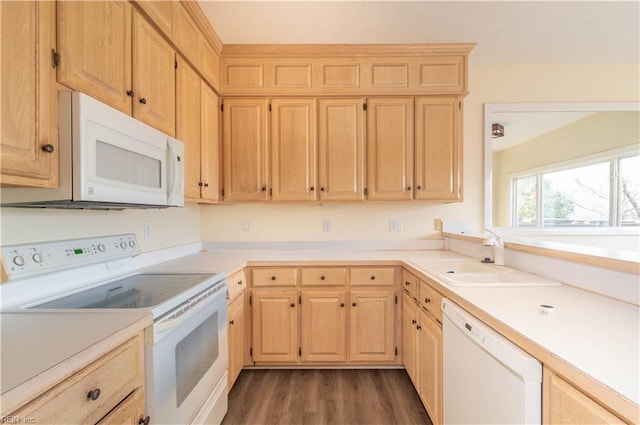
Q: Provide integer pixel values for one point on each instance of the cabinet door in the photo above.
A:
(28, 115)
(154, 77)
(246, 158)
(94, 42)
(235, 313)
(429, 366)
(275, 326)
(324, 326)
(293, 149)
(210, 144)
(438, 154)
(341, 149)
(372, 336)
(390, 148)
(188, 125)
(409, 337)
(562, 403)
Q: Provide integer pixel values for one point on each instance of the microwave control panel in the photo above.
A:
(34, 258)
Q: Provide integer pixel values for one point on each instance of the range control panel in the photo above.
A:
(35, 258)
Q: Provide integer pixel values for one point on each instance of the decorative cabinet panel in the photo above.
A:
(154, 77)
(245, 150)
(275, 326)
(341, 149)
(186, 35)
(160, 12)
(324, 326)
(372, 335)
(438, 148)
(28, 117)
(390, 148)
(293, 150)
(94, 44)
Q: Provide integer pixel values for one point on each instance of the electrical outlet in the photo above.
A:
(437, 224)
(395, 225)
(246, 226)
(326, 225)
(147, 230)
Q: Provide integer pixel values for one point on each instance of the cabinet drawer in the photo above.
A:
(324, 276)
(115, 375)
(372, 276)
(431, 300)
(236, 284)
(274, 277)
(410, 284)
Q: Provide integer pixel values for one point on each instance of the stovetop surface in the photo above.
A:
(137, 291)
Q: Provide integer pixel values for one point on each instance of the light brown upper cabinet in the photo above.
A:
(245, 150)
(94, 47)
(210, 144)
(154, 77)
(160, 12)
(293, 150)
(438, 148)
(390, 148)
(28, 118)
(341, 149)
(186, 35)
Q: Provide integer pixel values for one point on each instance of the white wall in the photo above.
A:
(487, 84)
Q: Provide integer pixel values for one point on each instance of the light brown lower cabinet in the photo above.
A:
(422, 355)
(275, 326)
(324, 326)
(235, 332)
(372, 326)
(562, 403)
(129, 412)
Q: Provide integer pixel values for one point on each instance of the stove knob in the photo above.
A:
(123, 245)
(102, 248)
(132, 243)
(37, 257)
(18, 260)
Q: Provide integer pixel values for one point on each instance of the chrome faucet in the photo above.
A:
(497, 243)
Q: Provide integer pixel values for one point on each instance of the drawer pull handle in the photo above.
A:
(427, 300)
(293, 305)
(94, 394)
(144, 421)
(341, 304)
(273, 278)
(322, 277)
(232, 322)
(48, 148)
(354, 304)
(373, 278)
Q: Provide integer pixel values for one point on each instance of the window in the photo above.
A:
(601, 193)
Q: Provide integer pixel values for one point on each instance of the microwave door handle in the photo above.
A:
(171, 168)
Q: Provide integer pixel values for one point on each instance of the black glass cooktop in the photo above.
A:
(138, 291)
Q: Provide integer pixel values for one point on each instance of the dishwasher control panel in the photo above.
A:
(34, 258)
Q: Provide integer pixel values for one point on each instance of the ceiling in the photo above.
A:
(505, 31)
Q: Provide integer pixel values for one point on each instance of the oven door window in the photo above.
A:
(194, 355)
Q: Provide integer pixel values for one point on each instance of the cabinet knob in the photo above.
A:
(232, 322)
(408, 187)
(418, 327)
(239, 282)
(293, 305)
(144, 421)
(48, 148)
(419, 187)
(341, 304)
(206, 185)
(407, 283)
(427, 300)
(413, 322)
(322, 189)
(143, 100)
(311, 188)
(322, 277)
(94, 394)
(373, 277)
(130, 93)
(264, 188)
(273, 278)
(200, 184)
(353, 304)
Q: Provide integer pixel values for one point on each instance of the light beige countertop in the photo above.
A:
(590, 333)
(37, 346)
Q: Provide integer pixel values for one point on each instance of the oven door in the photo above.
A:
(189, 358)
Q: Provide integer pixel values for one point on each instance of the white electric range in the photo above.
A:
(186, 361)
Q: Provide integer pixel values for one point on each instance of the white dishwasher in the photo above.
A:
(487, 379)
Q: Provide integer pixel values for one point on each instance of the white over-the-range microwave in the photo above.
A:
(108, 160)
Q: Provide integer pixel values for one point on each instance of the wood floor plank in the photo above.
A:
(314, 396)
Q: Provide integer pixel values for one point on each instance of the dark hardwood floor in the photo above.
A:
(341, 396)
